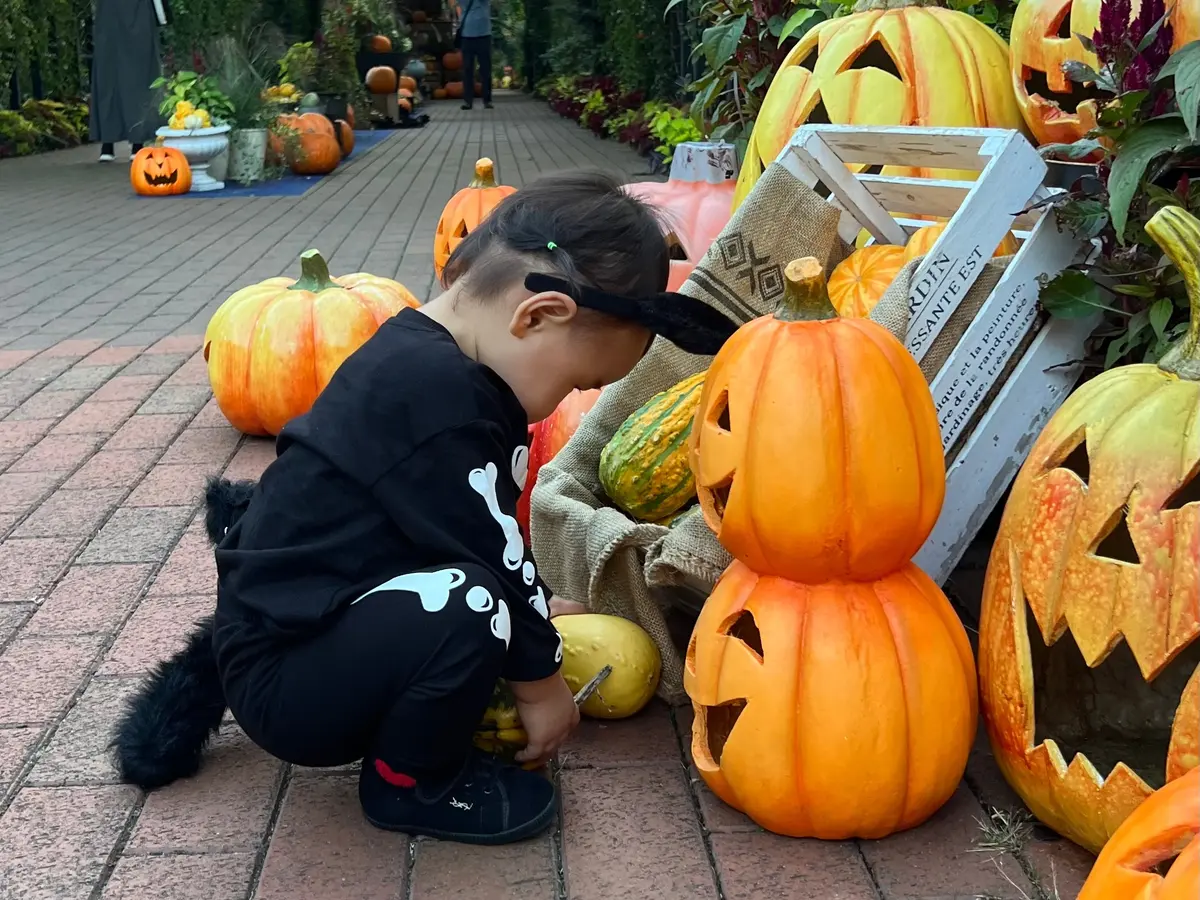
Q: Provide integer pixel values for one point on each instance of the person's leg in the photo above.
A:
(485, 70)
(107, 153)
(469, 50)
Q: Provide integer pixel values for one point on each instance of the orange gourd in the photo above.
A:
(271, 348)
(318, 151)
(345, 136)
(836, 710)
(452, 61)
(408, 83)
(1166, 826)
(379, 43)
(381, 80)
(840, 403)
(466, 210)
(549, 436)
(696, 208)
(350, 118)
(404, 104)
(454, 90)
(859, 281)
(160, 172)
(439, 93)
(923, 239)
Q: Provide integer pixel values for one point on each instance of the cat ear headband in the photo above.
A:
(690, 325)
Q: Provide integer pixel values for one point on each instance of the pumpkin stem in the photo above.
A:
(314, 273)
(805, 298)
(485, 174)
(1177, 232)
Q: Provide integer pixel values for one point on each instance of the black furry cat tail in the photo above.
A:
(167, 724)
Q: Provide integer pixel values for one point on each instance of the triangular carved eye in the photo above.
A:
(875, 56)
(719, 721)
(742, 627)
(1077, 461)
(1188, 492)
(1115, 542)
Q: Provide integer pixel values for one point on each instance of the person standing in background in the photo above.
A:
(475, 31)
(125, 61)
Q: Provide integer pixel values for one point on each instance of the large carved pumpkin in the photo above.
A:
(1164, 828)
(1089, 661)
(549, 436)
(466, 210)
(911, 64)
(271, 348)
(1043, 38)
(696, 200)
(833, 710)
(160, 172)
(816, 446)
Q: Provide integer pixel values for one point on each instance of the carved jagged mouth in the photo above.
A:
(1110, 713)
(161, 180)
(1036, 84)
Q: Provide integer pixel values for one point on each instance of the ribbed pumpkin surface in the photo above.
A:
(644, 467)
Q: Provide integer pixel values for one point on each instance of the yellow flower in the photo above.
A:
(183, 108)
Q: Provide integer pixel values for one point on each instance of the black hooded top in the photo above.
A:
(412, 457)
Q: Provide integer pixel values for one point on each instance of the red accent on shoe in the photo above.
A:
(395, 779)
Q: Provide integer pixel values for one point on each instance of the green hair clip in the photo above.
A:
(550, 245)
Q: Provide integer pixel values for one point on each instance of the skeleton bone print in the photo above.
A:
(434, 590)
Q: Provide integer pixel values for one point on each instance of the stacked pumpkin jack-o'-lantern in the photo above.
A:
(833, 685)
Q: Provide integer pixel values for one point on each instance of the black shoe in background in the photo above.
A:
(467, 106)
(485, 802)
(488, 106)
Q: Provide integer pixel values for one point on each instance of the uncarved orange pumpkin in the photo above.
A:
(379, 43)
(439, 93)
(860, 280)
(454, 90)
(923, 239)
(452, 61)
(160, 172)
(549, 436)
(318, 152)
(345, 136)
(350, 119)
(408, 82)
(466, 210)
(271, 348)
(404, 104)
(842, 405)
(381, 80)
(1166, 826)
(836, 710)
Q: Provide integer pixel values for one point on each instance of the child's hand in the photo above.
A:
(561, 607)
(549, 714)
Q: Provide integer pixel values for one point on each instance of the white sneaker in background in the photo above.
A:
(106, 157)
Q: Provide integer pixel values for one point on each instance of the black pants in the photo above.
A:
(403, 675)
(477, 48)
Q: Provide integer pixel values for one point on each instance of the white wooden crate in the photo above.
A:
(981, 212)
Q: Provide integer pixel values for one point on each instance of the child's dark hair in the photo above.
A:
(581, 226)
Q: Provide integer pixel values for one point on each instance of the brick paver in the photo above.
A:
(107, 430)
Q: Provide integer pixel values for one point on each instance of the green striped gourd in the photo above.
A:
(644, 467)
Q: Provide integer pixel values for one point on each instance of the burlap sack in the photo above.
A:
(589, 551)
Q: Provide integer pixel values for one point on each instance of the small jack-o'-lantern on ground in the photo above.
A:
(466, 210)
(160, 172)
(696, 200)
(1057, 109)
(1155, 854)
(892, 62)
(1089, 660)
(272, 347)
(859, 506)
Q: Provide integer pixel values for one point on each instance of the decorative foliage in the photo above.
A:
(199, 92)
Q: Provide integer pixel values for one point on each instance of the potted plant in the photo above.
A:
(198, 124)
(237, 65)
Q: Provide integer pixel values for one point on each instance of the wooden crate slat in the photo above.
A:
(933, 148)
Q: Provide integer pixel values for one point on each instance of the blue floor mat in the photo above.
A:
(294, 185)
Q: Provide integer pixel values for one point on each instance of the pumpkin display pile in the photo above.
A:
(833, 685)
(272, 347)
(466, 210)
(1088, 653)
(590, 642)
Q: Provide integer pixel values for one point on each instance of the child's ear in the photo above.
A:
(540, 311)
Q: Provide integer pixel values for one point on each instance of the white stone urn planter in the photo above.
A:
(200, 146)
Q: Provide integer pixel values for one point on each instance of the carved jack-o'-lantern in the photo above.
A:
(160, 171)
(1155, 854)
(466, 210)
(892, 62)
(816, 448)
(836, 710)
(1089, 660)
(1056, 109)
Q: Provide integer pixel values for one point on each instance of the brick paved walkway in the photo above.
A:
(106, 432)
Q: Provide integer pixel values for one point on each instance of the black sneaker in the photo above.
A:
(486, 802)
(488, 106)
(466, 106)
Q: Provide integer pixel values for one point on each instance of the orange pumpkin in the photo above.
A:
(923, 239)
(478, 88)
(839, 400)
(466, 210)
(318, 151)
(1089, 635)
(860, 280)
(160, 172)
(696, 207)
(1043, 38)
(379, 43)
(1166, 826)
(408, 83)
(439, 93)
(272, 347)
(381, 80)
(452, 61)
(454, 90)
(345, 136)
(350, 119)
(404, 104)
(836, 710)
(546, 438)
